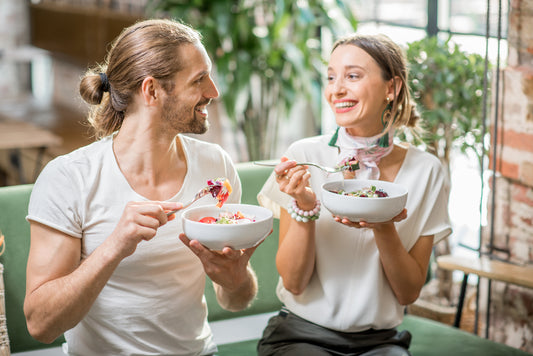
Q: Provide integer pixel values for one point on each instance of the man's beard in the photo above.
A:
(181, 120)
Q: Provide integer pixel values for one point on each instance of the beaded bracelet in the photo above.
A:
(301, 215)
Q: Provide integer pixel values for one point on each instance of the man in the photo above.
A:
(106, 266)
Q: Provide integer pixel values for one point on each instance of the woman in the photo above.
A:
(344, 284)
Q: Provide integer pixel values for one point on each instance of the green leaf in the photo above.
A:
(451, 79)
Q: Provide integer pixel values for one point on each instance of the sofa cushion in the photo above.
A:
(430, 338)
(243, 348)
(437, 339)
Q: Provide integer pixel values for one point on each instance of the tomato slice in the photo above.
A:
(223, 193)
(208, 220)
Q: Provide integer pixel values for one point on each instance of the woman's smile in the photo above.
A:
(344, 105)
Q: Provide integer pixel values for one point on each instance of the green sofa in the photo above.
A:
(429, 337)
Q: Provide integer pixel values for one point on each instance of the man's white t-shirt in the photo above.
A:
(154, 302)
(348, 290)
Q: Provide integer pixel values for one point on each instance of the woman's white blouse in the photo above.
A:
(348, 290)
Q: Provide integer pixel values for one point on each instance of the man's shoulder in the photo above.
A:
(190, 141)
(93, 152)
(203, 151)
(97, 147)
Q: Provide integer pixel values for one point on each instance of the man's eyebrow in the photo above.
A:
(202, 74)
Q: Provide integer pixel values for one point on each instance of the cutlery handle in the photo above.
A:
(274, 164)
(183, 207)
(172, 212)
(266, 164)
(198, 196)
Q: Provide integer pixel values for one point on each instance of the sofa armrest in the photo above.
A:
(14, 207)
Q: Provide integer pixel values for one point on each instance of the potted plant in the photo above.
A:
(447, 84)
(266, 54)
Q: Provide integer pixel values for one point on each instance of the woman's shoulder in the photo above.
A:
(311, 142)
(421, 156)
(419, 163)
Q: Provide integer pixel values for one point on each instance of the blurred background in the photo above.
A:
(471, 67)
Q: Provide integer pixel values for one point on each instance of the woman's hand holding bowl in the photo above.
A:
(376, 225)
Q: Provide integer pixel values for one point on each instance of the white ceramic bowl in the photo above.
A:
(363, 208)
(236, 236)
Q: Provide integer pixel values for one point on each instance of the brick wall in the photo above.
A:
(511, 306)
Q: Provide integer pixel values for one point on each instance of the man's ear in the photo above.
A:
(150, 90)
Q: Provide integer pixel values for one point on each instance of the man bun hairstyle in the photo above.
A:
(147, 48)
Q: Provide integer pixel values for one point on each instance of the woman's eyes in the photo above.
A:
(350, 76)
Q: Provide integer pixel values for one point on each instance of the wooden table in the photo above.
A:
(493, 269)
(486, 267)
(16, 136)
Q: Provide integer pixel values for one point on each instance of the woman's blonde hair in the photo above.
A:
(147, 48)
(391, 59)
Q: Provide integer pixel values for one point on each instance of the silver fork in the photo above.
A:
(325, 169)
(198, 195)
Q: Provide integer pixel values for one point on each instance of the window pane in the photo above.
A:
(400, 35)
(402, 12)
(470, 16)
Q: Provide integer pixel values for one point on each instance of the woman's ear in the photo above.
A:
(393, 87)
